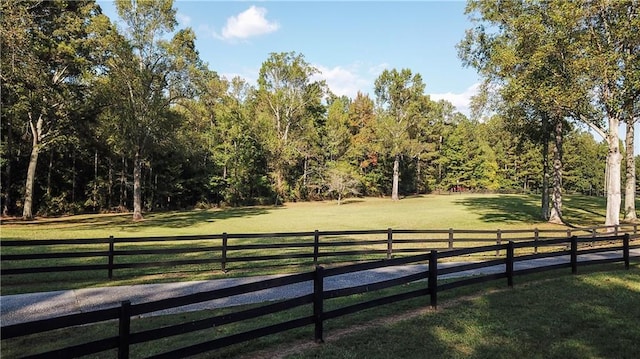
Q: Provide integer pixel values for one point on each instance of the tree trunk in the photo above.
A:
(36, 133)
(614, 159)
(6, 203)
(630, 185)
(396, 178)
(123, 182)
(137, 187)
(27, 210)
(110, 189)
(49, 171)
(73, 176)
(556, 197)
(94, 196)
(545, 181)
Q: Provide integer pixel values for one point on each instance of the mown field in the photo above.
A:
(432, 212)
(458, 211)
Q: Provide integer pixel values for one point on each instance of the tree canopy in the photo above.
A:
(106, 116)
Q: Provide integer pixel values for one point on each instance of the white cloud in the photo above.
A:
(462, 101)
(249, 23)
(343, 81)
(183, 19)
(249, 75)
(378, 69)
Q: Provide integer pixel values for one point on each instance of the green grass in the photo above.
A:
(459, 211)
(548, 315)
(586, 316)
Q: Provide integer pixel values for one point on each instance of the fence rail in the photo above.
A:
(317, 298)
(115, 254)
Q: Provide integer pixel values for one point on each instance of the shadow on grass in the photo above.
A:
(173, 219)
(591, 316)
(584, 210)
(503, 208)
(578, 210)
(186, 219)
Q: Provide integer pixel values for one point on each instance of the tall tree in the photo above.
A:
(402, 106)
(533, 52)
(362, 153)
(47, 48)
(146, 76)
(613, 68)
(286, 97)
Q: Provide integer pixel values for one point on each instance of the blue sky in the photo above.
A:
(350, 42)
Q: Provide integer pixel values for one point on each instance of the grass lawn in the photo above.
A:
(439, 212)
(550, 315)
(586, 316)
(590, 315)
(458, 211)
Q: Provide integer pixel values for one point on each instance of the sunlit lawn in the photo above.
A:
(458, 211)
(549, 315)
(585, 316)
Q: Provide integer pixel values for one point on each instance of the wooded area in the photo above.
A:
(98, 117)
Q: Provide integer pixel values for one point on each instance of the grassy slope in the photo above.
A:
(464, 211)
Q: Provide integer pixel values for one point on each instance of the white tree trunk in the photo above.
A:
(614, 159)
(37, 135)
(27, 210)
(137, 187)
(630, 184)
(396, 178)
(556, 194)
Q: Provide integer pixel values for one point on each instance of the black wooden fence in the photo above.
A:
(316, 298)
(318, 247)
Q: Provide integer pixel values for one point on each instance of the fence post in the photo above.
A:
(574, 254)
(433, 279)
(615, 229)
(510, 255)
(594, 235)
(498, 240)
(223, 260)
(635, 229)
(111, 254)
(124, 330)
(536, 238)
(625, 250)
(450, 238)
(318, 302)
(316, 246)
(389, 243)
(569, 234)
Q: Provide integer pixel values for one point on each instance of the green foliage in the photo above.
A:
(470, 162)
(288, 106)
(130, 117)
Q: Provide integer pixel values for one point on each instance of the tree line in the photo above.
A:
(98, 117)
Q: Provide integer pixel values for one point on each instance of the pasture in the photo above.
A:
(458, 211)
(460, 329)
(432, 212)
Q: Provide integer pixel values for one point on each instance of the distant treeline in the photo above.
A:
(96, 118)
